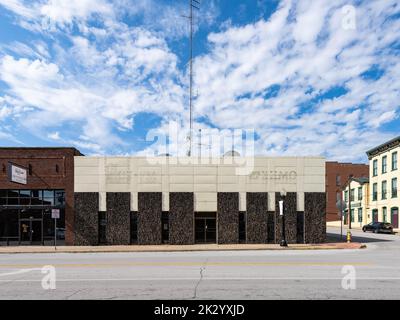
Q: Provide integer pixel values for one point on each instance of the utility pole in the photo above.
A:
(193, 4)
(349, 199)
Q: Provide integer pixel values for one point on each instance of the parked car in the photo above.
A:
(378, 227)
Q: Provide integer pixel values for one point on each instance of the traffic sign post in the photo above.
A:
(340, 206)
(55, 214)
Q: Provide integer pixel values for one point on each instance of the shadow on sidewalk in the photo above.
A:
(333, 237)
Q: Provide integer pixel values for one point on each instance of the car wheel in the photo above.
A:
(363, 229)
(376, 231)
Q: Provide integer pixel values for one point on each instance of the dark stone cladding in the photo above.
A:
(257, 217)
(228, 217)
(271, 227)
(315, 217)
(181, 218)
(290, 212)
(86, 218)
(118, 218)
(149, 218)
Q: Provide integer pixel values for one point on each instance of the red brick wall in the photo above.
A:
(344, 170)
(44, 175)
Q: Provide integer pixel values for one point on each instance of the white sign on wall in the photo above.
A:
(55, 213)
(17, 174)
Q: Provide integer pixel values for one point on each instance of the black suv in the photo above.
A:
(378, 227)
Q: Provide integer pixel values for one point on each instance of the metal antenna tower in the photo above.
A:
(193, 5)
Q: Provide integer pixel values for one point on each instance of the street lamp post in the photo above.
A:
(281, 213)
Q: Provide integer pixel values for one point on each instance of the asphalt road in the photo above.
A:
(211, 275)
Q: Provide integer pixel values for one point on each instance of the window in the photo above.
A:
(32, 197)
(346, 196)
(375, 168)
(384, 189)
(352, 195)
(374, 192)
(394, 161)
(394, 188)
(359, 214)
(359, 193)
(384, 164)
(338, 180)
(384, 214)
(352, 215)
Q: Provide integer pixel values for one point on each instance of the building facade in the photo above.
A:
(384, 181)
(337, 175)
(33, 182)
(133, 200)
(359, 202)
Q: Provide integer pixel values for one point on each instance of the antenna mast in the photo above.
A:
(193, 4)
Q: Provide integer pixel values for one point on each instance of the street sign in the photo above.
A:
(55, 213)
(17, 174)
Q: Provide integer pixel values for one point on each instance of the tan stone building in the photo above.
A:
(384, 181)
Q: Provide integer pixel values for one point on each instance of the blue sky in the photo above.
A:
(310, 77)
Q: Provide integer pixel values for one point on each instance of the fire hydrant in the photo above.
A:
(348, 236)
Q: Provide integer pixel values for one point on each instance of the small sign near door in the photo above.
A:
(55, 213)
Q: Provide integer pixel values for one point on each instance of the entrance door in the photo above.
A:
(395, 217)
(375, 215)
(30, 231)
(206, 228)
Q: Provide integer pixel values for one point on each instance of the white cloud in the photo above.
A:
(112, 71)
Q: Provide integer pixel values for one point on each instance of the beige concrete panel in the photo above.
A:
(183, 170)
(117, 188)
(86, 179)
(256, 188)
(134, 201)
(205, 188)
(150, 179)
(149, 187)
(314, 179)
(181, 179)
(205, 170)
(314, 187)
(85, 171)
(300, 201)
(271, 201)
(181, 187)
(86, 187)
(117, 162)
(165, 201)
(228, 187)
(319, 171)
(205, 196)
(117, 179)
(86, 161)
(205, 179)
(242, 201)
(229, 179)
(205, 206)
(226, 171)
(102, 201)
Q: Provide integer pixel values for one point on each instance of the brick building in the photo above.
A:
(44, 181)
(337, 175)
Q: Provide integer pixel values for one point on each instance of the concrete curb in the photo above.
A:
(166, 248)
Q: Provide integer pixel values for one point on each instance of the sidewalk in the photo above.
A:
(177, 248)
